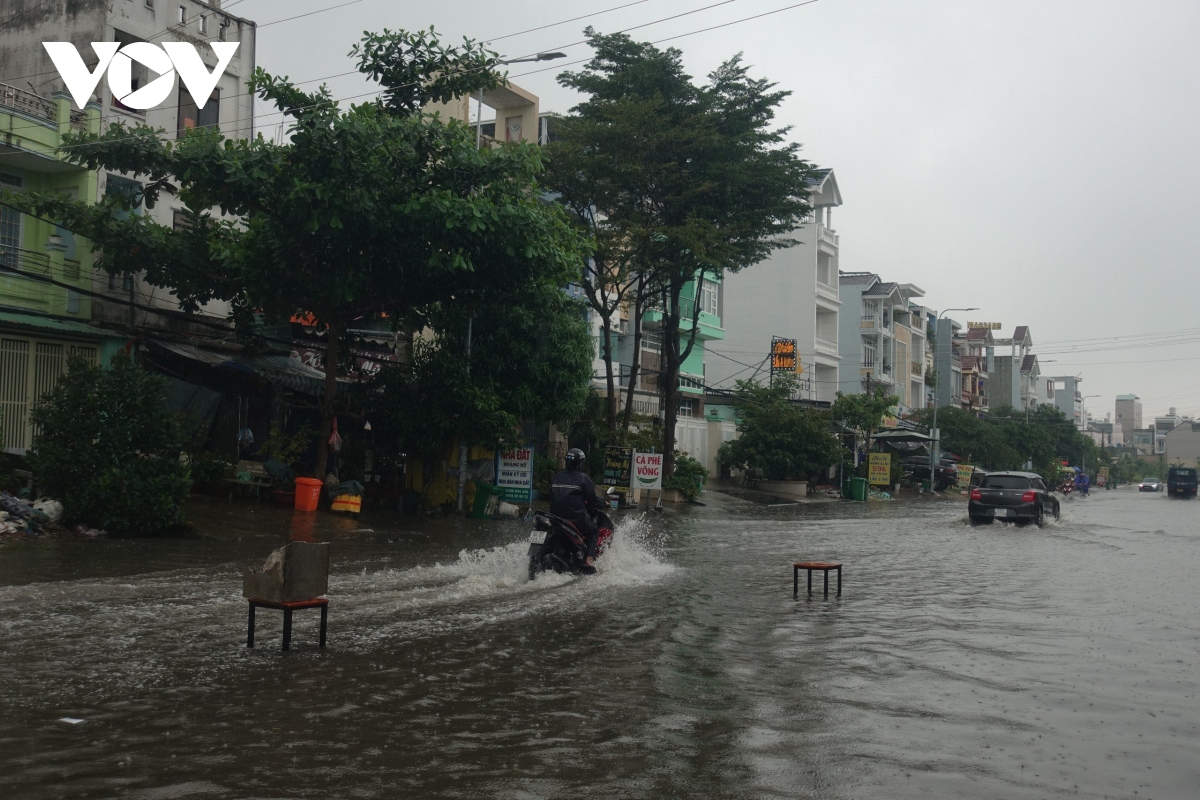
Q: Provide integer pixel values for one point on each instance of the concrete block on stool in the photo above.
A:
(298, 571)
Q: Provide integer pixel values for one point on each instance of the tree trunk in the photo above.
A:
(675, 356)
(610, 402)
(328, 398)
(639, 304)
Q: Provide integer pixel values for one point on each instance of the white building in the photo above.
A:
(791, 295)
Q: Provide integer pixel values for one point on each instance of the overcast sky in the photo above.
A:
(1037, 159)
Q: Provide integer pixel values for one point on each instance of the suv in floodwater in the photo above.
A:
(1181, 482)
(1012, 496)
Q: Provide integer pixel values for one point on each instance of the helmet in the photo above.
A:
(575, 458)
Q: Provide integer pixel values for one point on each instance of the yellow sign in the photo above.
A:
(987, 326)
(783, 356)
(879, 469)
(965, 471)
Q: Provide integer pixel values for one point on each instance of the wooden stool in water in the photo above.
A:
(288, 608)
(823, 566)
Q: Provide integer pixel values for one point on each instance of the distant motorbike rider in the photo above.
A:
(573, 497)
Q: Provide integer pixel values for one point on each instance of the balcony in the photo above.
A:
(869, 322)
(916, 369)
(37, 107)
(827, 236)
(827, 346)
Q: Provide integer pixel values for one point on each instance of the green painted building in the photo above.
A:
(45, 271)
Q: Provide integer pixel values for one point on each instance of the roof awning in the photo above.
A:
(900, 435)
(58, 327)
(282, 370)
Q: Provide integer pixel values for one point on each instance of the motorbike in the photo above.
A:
(556, 544)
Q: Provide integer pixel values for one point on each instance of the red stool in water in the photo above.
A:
(823, 566)
(288, 608)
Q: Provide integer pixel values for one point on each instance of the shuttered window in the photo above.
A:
(14, 393)
(29, 369)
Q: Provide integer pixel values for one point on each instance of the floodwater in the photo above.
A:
(992, 662)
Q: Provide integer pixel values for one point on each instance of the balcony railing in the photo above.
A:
(35, 263)
(887, 368)
(916, 368)
(36, 106)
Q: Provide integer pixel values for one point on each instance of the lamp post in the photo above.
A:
(935, 446)
(479, 112)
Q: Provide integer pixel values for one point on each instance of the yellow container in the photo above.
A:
(349, 503)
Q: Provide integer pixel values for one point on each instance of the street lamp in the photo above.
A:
(479, 112)
(935, 447)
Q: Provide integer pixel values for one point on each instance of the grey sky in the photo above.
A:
(1036, 159)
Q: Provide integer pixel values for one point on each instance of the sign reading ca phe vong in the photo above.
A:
(647, 470)
(514, 474)
(879, 469)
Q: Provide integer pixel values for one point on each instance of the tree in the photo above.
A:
(863, 413)
(784, 440)
(107, 448)
(375, 209)
(687, 181)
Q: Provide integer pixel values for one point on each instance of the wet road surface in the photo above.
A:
(992, 662)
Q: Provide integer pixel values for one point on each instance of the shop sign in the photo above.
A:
(648, 470)
(985, 326)
(514, 474)
(783, 356)
(965, 471)
(879, 469)
(618, 467)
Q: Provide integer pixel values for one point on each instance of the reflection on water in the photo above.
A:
(961, 662)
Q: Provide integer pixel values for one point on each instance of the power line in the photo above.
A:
(23, 13)
(565, 21)
(376, 92)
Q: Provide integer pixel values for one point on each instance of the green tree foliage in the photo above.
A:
(529, 360)
(374, 209)
(1007, 439)
(783, 439)
(107, 447)
(688, 478)
(676, 181)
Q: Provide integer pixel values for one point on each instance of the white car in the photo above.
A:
(1150, 485)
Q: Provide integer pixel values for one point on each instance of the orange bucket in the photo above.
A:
(308, 492)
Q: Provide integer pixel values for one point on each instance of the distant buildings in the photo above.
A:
(1063, 391)
(1129, 415)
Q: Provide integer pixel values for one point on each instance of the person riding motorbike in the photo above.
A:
(573, 497)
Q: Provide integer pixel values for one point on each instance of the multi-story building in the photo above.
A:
(1163, 425)
(976, 350)
(883, 332)
(1015, 378)
(948, 367)
(793, 294)
(1063, 392)
(1129, 415)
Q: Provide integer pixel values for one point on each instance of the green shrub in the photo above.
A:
(689, 478)
(108, 448)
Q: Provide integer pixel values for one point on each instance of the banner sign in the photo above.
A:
(985, 326)
(618, 466)
(1102, 477)
(648, 470)
(783, 356)
(879, 469)
(965, 471)
(514, 474)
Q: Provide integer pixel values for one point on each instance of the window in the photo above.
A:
(180, 220)
(203, 23)
(689, 408)
(183, 15)
(708, 298)
(190, 116)
(1005, 482)
(10, 223)
(127, 191)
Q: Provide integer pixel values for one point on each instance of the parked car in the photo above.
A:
(1150, 485)
(1181, 482)
(916, 472)
(1012, 496)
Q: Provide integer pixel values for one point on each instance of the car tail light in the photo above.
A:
(1029, 497)
(976, 494)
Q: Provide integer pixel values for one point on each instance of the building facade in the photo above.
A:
(1016, 374)
(882, 334)
(793, 294)
(1063, 391)
(1128, 415)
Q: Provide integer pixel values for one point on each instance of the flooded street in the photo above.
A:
(991, 662)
